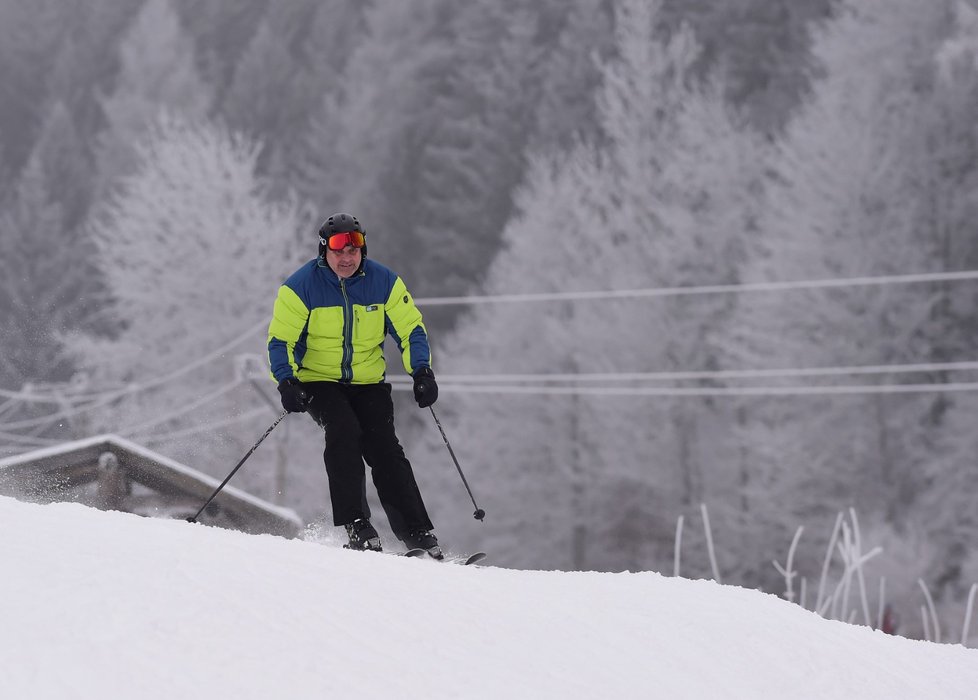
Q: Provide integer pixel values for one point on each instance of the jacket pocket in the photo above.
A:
(368, 325)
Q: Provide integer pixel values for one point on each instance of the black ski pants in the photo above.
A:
(359, 423)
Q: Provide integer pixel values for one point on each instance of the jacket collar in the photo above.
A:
(333, 277)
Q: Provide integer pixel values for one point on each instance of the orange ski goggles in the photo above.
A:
(339, 241)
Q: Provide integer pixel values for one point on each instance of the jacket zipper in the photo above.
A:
(346, 368)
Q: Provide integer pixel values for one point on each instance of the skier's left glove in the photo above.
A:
(425, 387)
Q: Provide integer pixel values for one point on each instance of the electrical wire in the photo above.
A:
(461, 387)
(705, 374)
(157, 438)
(848, 389)
(68, 413)
(99, 399)
(184, 410)
(920, 278)
(109, 397)
(30, 440)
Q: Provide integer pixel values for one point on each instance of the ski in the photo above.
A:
(464, 560)
(474, 558)
(415, 552)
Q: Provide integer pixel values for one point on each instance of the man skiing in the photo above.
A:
(325, 348)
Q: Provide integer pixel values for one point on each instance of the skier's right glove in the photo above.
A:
(295, 398)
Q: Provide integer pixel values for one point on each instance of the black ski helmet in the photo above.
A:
(339, 223)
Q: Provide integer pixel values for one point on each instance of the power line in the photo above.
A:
(109, 397)
(704, 374)
(30, 440)
(100, 399)
(144, 437)
(156, 438)
(55, 393)
(760, 391)
(705, 289)
(184, 410)
(675, 392)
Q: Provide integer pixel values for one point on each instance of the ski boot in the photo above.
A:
(363, 536)
(426, 540)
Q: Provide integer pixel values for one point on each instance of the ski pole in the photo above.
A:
(479, 513)
(254, 447)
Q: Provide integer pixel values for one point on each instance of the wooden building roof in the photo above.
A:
(112, 473)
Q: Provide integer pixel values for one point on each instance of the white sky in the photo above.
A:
(111, 605)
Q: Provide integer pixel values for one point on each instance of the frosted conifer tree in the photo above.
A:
(630, 214)
(680, 179)
(367, 138)
(949, 187)
(844, 202)
(157, 73)
(566, 110)
(47, 284)
(527, 451)
(36, 283)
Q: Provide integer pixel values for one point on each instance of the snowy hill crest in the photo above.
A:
(102, 604)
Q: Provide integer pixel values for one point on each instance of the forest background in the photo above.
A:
(164, 164)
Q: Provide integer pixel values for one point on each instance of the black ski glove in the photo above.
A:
(425, 387)
(295, 398)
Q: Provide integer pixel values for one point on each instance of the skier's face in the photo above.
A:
(344, 262)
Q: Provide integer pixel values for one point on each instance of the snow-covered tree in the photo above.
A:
(566, 111)
(523, 451)
(367, 136)
(948, 185)
(65, 165)
(192, 252)
(222, 31)
(295, 59)
(680, 179)
(428, 134)
(29, 35)
(47, 285)
(656, 204)
(36, 283)
(845, 200)
(157, 73)
(761, 48)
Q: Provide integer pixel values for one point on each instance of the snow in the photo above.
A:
(100, 604)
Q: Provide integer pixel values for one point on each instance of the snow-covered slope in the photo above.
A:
(110, 605)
